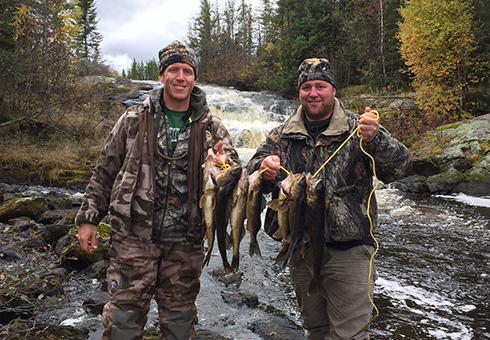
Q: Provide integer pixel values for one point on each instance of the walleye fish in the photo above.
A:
(255, 205)
(296, 215)
(314, 250)
(226, 180)
(208, 202)
(281, 205)
(237, 217)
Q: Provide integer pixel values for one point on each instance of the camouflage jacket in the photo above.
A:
(348, 176)
(124, 180)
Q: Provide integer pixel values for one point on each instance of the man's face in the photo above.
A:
(178, 80)
(317, 99)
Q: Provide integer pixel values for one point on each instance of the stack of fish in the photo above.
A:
(231, 196)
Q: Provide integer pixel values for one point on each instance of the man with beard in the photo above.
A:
(303, 144)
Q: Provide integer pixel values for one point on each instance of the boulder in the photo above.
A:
(31, 207)
(458, 163)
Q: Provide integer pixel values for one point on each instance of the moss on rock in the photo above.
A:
(31, 207)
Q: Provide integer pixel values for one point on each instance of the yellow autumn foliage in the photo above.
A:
(438, 44)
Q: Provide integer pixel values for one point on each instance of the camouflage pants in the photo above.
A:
(347, 308)
(168, 271)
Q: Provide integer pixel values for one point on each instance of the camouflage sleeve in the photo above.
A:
(95, 202)
(393, 160)
(269, 147)
(222, 134)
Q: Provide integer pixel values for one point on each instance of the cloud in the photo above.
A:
(139, 29)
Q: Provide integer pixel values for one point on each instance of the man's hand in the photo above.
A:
(273, 165)
(369, 124)
(219, 157)
(87, 236)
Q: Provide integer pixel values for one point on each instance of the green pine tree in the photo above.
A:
(88, 39)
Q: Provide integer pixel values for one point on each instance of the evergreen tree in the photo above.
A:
(152, 70)
(88, 39)
(201, 38)
(8, 55)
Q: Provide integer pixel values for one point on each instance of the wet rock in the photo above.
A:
(31, 330)
(58, 216)
(459, 164)
(51, 281)
(277, 329)
(34, 241)
(204, 334)
(96, 270)
(8, 253)
(22, 224)
(60, 203)
(229, 279)
(96, 301)
(31, 207)
(53, 232)
(414, 184)
(241, 298)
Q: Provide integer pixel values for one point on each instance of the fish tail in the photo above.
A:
(206, 260)
(254, 250)
(235, 262)
(226, 265)
(282, 255)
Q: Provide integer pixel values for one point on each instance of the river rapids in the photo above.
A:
(433, 260)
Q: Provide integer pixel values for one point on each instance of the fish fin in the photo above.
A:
(263, 202)
(275, 204)
(243, 232)
(282, 263)
(280, 256)
(235, 262)
(277, 235)
(316, 287)
(202, 200)
(229, 240)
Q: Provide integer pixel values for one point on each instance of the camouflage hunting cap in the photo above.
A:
(316, 69)
(177, 52)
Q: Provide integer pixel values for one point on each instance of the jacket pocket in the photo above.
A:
(346, 216)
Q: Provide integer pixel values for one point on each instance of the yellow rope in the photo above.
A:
(371, 262)
(282, 168)
(372, 235)
(336, 151)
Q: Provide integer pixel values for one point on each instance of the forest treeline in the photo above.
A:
(439, 49)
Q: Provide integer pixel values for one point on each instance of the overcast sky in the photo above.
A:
(139, 29)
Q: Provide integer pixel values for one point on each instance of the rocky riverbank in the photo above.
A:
(452, 159)
(40, 257)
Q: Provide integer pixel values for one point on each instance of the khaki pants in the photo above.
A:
(169, 271)
(347, 309)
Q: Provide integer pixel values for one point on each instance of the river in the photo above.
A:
(433, 261)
